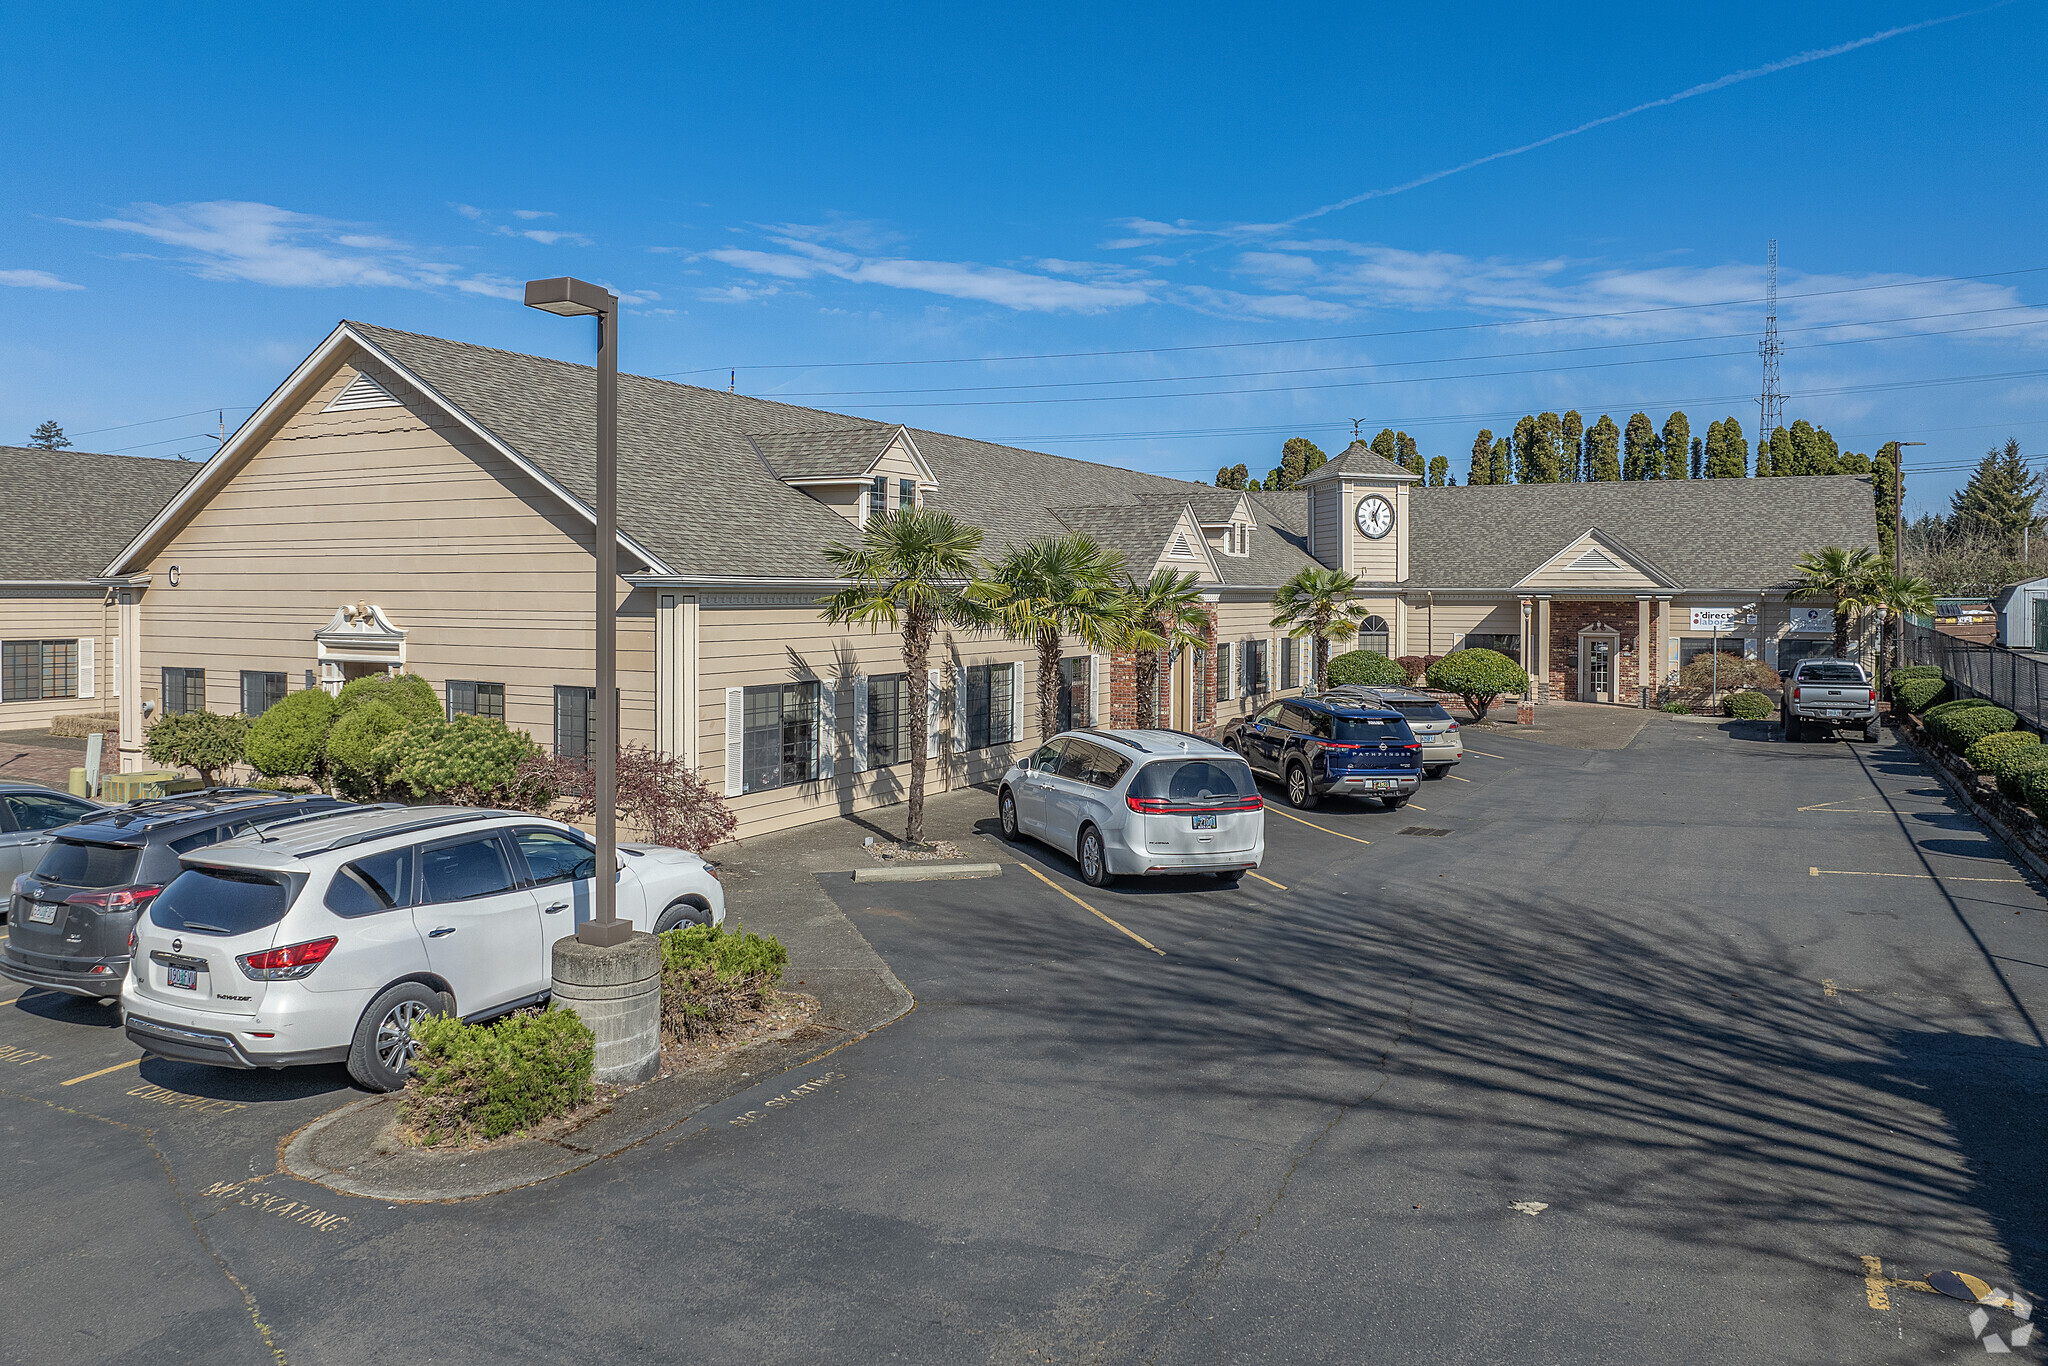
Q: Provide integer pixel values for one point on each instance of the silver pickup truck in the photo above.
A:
(1829, 692)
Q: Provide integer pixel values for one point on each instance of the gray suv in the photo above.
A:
(1834, 694)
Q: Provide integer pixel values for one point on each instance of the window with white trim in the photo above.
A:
(888, 720)
(261, 691)
(990, 688)
(184, 690)
(878, 498)
(468, 697)
(779, 735)
(31, 670)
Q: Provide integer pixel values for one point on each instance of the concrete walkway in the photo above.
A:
(1577, 725)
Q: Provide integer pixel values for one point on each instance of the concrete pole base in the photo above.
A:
(616, 990)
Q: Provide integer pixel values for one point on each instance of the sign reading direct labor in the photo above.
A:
(1716, 618)
(1812, 621)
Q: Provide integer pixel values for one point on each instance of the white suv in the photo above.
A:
(1138, 802)
(321, 939)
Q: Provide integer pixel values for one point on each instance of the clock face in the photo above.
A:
(1375, 516)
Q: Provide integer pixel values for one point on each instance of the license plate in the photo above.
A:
(1382, 782)
(188, 978)
(41, 913)
(1204, 822)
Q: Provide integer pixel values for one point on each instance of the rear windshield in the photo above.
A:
(72, 864)
(1420, 711)
(1195, 780)
(220, 901)
(1831, 673)
(1355, 730)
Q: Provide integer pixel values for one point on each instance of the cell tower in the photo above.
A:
(1772, 401)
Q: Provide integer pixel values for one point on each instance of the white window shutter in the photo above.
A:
(735, 736)
(114, 667)
(85, 679)
(959, 709)
(1094, 690)
(1224, 690)
(828, 726)
(931, 713)
(1016, 702)
(860, 723)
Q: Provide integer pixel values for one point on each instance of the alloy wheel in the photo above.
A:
(395, 1043)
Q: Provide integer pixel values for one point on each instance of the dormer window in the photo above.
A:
(906, 493)
(878, 497)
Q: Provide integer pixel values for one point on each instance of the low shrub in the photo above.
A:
(1479, 677)
(1678, 708)
(356, 753)
(484, 1081)
(411, 696)
(1960, 704)
(710, 978)
(1415, 666)
(1918, 694)
(1736, 673)
(1984, 755)
(1908, 671)
(1960, 729)
(468, 761)
(1747, 706)
(290, 739)
(2033, 788)
(78, 725)
(2012, 767)
(1365, 667)
(205, 740)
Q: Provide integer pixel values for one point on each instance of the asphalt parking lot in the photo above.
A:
(1739, 1015)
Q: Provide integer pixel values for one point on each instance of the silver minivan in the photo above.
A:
(1442, 745)
(1137, 803)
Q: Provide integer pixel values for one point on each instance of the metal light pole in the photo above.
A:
(572, 298)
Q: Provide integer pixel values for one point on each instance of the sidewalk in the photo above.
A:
(1577, 725)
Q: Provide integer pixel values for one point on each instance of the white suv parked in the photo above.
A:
(321, 939)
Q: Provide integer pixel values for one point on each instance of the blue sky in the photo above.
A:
(1227, 201)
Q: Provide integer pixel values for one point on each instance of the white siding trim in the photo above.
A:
(85, 670)
(860, 723)
(1016, 702)
(114, 666)
(931, 713)
(959, 709)
(735, 722)
(828, 726)
(1094, 690)
(1225, 662)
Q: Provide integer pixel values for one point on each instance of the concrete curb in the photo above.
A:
(345, 1151)
(927, 872)
(2011, 838)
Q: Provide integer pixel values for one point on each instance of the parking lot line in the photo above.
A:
(1324, 828)
(1090, 909)
(1925, 877)
(101, 1073)
(1268, 881)
(1453, 775)
(1484, 755)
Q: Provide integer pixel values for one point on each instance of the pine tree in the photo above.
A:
(1812, 451)
(1439, 471)
(1312, 457)
(1543, 450)
(1998, 502)
(1525, 441)
(1676, 444)
(1852, 462)
(1885, 484)
(1481, 471)
(48, 437)
(1232, 477)
(1722, 459)
(1766, 461)
(1572, 458)
(1641, 458)
(1603, 446)
(1502, 454)
(1410, 456)
(1699, 458)
(1387, 445)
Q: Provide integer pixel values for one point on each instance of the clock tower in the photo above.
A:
(1358, 515)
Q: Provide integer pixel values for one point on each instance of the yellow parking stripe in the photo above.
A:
(1484, 755)
(1924, 877)
(1453, 775)
(1078, 902)
(1268, 881)
(102, 1072)
(1313, 826)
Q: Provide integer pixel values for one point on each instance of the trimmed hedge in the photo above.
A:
(1747, 706)
(290, 740)
(485, 1081)
(1984, 755)
(2033, 788)
(1479, 677)
(2013, 766)
(1960, 704)
(356, 753)
(1918, 694)
(470, 761)
(1961, 729)
(1904, 672)
(1366, 668)
(1677, 708)
(411, 696)
(205, 740)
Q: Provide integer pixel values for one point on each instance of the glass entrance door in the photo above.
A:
(1599, 669)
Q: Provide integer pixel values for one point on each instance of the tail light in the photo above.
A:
(1453, 726)
(131, 942)
(287, 964)
(1166, 806)
(1795, 694)
(119, 900)
(1873, 695)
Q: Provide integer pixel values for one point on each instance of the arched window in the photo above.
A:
(1373, 635)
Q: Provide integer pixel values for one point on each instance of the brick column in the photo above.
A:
(1646, 662)
(1542, 679)
(1663, 639)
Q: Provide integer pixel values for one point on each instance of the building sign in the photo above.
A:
(1714, 618)
(1812, 621)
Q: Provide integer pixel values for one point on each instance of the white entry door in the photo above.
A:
(1596, 669)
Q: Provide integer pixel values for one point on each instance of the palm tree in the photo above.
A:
(1898, 596)
(1317, 603)
(1166, 613)
(1845, 576)
(1062, 586)
(913, 570)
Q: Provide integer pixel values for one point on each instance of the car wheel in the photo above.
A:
(1094, 866)
(1301, 794)
(1394, 803)
(1436, 770)
(1006, 810)
(680, 914)
(1870, 730)
(380, 1055)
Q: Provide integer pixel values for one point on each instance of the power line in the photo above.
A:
(123, 426)
(1350, 336)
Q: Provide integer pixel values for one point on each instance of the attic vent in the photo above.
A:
(1180, 549)
(1596, 558)
(362, 392)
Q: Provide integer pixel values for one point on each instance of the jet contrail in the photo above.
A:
(1733, 78)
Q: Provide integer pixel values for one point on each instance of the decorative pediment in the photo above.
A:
(1596, 561)
(361, 634)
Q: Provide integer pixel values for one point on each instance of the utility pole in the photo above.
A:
(1772, 400)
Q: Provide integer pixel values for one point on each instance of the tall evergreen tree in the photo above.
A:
(1735, 448)
(1766, 456)
(1410, 456)
(48, 437)
(1721, 461)
(1699, 458)
(1232, 477)
(1502, 454)
(1525, 443)
(1998, 502)
(1543, 451)
(1311, 455)
(1812, 451)
(1603, 450)
(1676, 444)
(1572, 456)
(1885, 483)
(1481, 471)
(1852, 462)
(1641, 456)
(1439, 471)
(1387, 445)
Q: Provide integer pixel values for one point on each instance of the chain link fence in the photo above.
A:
(2018, 682)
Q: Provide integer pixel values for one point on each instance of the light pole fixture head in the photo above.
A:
(568, 297)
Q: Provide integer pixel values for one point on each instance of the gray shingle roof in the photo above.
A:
(821, 454)
(1137, 531)
(1703, 533)
(68, 513)
(1360, 461)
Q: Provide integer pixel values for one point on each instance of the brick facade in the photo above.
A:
(1567, 619)
(1122, 685)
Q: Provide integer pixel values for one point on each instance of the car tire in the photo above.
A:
(380, 1055)
(1870, 730)
(1301, 793)
(682, 913)
(1394, 803)
(1436, 770)
(1006, 814)
(1093, 859)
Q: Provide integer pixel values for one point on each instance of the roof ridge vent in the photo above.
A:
(362, 392)
(1180, 549)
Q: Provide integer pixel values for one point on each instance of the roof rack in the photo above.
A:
(409, 827)
(338, 808)
(1126, 741)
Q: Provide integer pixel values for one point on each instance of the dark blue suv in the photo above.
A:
(1315, 747)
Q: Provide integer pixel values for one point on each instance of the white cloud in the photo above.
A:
(262, 244)
(469, 211)
(1231, 304)
(34, 279)
(1015, 289)
(549, 238)
(531, 213)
